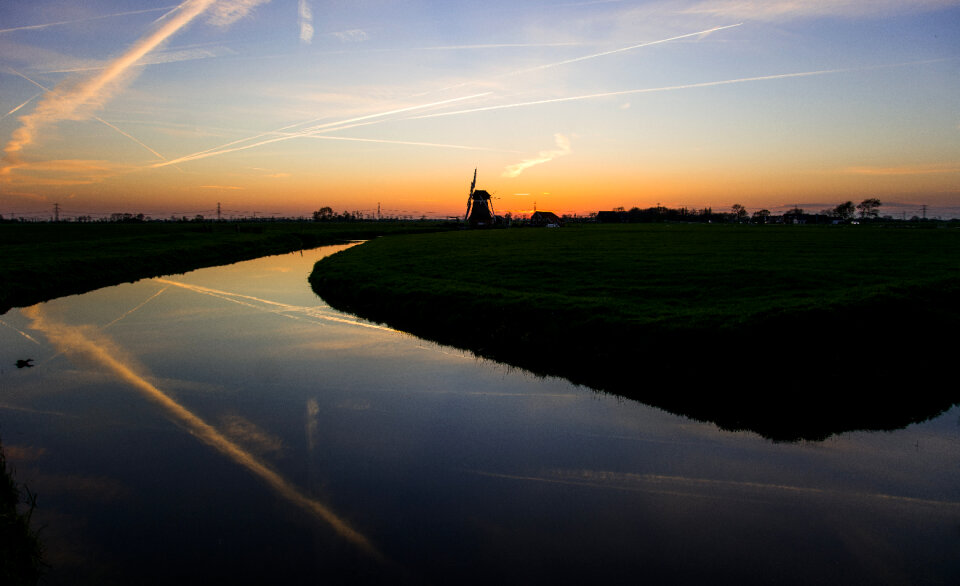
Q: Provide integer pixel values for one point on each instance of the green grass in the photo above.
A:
(615, 307)
(40, 261)
(661, 277)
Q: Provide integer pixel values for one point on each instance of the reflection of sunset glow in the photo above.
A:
(87, 344)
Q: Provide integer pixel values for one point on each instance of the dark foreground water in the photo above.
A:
(226, 426)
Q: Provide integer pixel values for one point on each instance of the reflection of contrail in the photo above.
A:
(628, 92)
(21, 332)
(703, 487)
(329, 127)
(141, 304)
(286, 310)
(76, 341)
(63, 22)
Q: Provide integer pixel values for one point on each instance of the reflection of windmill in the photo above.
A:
(479, 206)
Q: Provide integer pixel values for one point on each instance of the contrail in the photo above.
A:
(623, 49)
(635, 91)
(97, 118)
(77, 342)
(92, 92)
(331, 126)
(63, 22)
(224, 149)
(411, 143)
(676, 87)
(596, 55)
(21, 105)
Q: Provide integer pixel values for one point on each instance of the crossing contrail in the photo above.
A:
(631, 92)
(97, 118)
(76, 99)
(343, 124)
(330, 126)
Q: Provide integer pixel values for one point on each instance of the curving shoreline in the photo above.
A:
(795, 367)
(42, 261)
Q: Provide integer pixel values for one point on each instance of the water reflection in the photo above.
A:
(455, 469)
(85, 343)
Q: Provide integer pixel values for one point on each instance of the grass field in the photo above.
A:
(805, 309)
(40, 261)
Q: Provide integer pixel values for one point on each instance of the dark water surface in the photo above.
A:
(226, 426)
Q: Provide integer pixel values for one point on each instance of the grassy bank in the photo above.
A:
(726, 323)
(40, 261)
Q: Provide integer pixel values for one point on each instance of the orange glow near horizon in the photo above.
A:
(681, 106)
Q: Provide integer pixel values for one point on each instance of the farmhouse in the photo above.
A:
(548, 219)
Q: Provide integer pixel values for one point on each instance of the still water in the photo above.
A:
(227, 426)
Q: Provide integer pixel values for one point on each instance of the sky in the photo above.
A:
(281, 107)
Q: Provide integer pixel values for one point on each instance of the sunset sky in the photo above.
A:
(280, 107)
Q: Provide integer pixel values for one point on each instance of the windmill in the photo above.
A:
(479, 206)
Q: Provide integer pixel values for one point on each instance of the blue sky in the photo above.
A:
(281, 107)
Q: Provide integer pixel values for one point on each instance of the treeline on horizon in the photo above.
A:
(845, 213)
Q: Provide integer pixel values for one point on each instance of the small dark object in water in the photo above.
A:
(28, 363)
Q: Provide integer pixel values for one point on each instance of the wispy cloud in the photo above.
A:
(78, 99)
(66, 172)
(351, 36)
(306, 22)
(563, 148)
(226, 12)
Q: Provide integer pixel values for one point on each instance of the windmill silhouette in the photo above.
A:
(479, 206)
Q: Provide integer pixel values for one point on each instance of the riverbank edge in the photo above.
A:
(21, 552)
(748, 377)
(50, 275)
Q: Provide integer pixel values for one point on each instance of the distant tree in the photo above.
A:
(739, 212)
(323, 214)
(869, 208)
(793, 216)
(844, 211)
(761, 216)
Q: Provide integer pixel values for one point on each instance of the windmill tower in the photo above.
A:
(479, 206)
